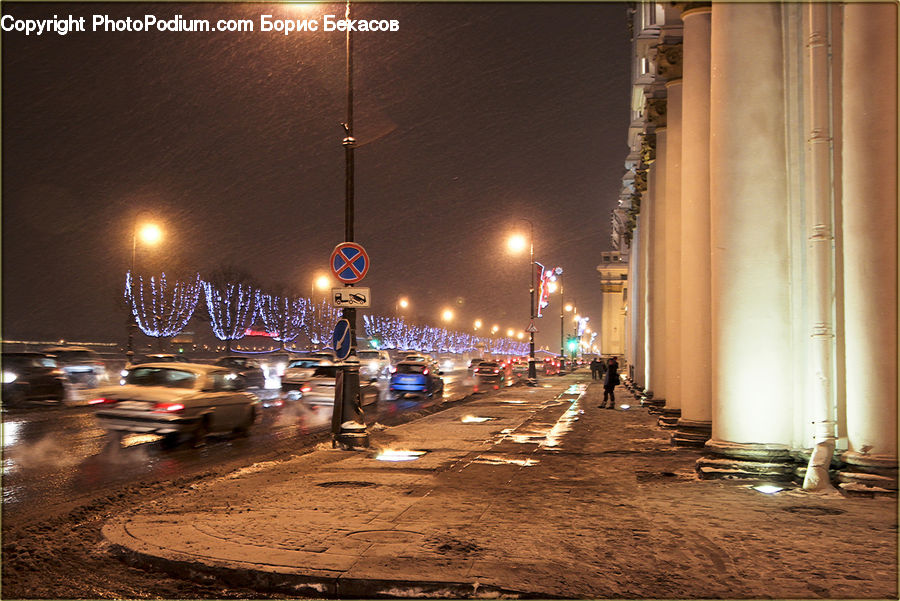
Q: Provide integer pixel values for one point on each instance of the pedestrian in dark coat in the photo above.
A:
(595, 368)
(610, 381)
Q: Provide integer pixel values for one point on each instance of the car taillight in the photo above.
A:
(425, 371)
(102, 401)
(393, 370)
(306, 388)
(168, 407)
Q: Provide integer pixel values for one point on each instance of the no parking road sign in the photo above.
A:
(349, 262)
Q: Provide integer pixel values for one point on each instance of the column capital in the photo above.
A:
(669, 60)
(648, 146)
(655, 110)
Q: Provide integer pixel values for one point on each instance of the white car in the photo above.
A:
(374, 364)
(298, 372)
(176, 400)
(318, 390)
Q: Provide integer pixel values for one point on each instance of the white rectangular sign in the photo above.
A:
(355, 298)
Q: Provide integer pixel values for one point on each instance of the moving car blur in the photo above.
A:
(82, 366)
(318, 389)
(177, 400)
(373, 364)
(247, 367)
(414, 377)
(31, 376)
(491, 375)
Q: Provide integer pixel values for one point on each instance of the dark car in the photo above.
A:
(551, 367)
(247, 367)
(490, 374)
(82, 366)
(31, 376)
(414, 377)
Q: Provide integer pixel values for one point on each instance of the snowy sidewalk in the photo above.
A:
(551, 497)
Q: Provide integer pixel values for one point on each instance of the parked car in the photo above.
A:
(414, 377)
(177, 400)
(318, 390)
(31, 376)
(82, 366)
(373, 364)
(245, 366)
(490, 374)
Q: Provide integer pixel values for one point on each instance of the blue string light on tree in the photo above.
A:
(283, 317)
(232, 309)
(321, 318)
(161, 310)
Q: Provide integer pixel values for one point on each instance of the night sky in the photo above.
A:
(470, 117)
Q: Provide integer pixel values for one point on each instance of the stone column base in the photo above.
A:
(868, 474)
(747, 461)
(668, 418)
(690, 433)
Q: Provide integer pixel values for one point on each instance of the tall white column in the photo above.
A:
(640, 304)
(656, 272)
(696, 410)
(673, 249)
(751, 333)
(869, 231)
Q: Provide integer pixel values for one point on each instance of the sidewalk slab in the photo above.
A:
(552, 498)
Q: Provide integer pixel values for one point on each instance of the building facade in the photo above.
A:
(759, 221)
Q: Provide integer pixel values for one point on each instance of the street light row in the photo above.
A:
(150, 234)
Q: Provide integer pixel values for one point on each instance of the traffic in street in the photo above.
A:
(57, 454)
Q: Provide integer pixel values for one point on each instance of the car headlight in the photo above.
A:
(9, 377)
(123, 373)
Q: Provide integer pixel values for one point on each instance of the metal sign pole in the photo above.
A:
(352, 433)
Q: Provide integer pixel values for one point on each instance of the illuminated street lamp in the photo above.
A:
(402, 303)
(510, 333)
(447, 315)
(477, 324)
(321, 283)
(517, 244)
(150, 234)
(495, 329)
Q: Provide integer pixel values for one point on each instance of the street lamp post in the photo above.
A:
(532, 369)
(348, 425)
(150, 234)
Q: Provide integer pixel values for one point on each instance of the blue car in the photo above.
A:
(412, 377)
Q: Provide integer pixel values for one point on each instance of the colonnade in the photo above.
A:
(763, 292)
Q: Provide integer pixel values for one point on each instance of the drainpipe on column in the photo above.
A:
(819, 249)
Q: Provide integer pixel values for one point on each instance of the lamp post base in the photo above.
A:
(352, 437)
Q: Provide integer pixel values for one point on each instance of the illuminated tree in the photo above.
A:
(231, 303)
(284, 317)
(320, 321)
(161, 309)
